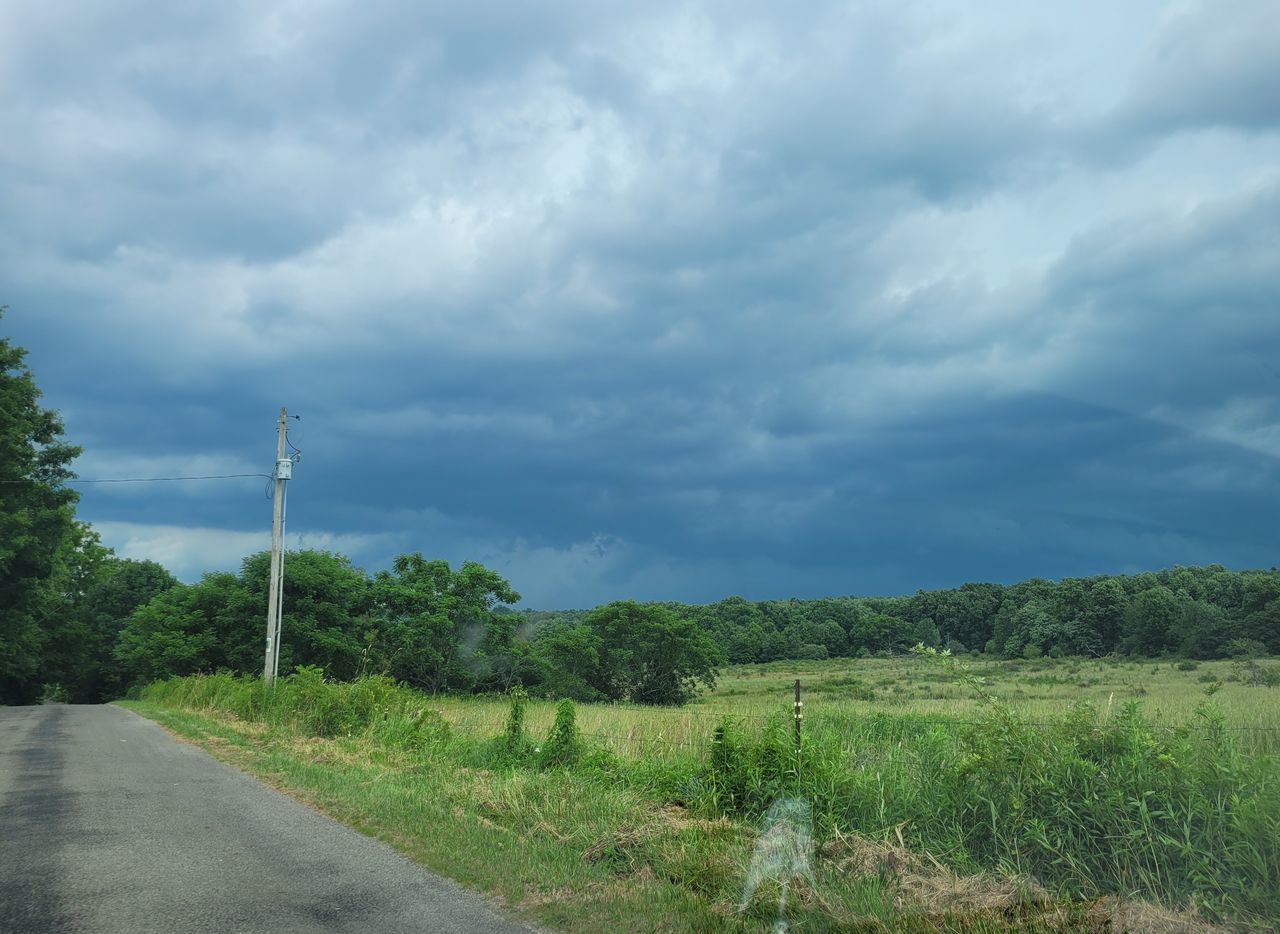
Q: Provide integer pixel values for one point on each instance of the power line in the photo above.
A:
(222, 476)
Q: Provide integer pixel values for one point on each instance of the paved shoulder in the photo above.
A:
(109, 825)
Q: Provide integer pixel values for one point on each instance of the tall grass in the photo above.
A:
(306, 701)
(1086, 808)
(1087, 804)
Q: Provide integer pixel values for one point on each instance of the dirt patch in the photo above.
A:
(940, 898)
(620, 845)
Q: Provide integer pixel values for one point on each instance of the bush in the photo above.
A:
(1244, 648)
(1259, 676)
(1187, 665)
(811, 651)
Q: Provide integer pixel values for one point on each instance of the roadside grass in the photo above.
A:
(925, 816)
(569, 851)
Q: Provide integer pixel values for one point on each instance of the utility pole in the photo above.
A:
(282, 472)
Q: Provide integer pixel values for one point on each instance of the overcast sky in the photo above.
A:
(659, 300)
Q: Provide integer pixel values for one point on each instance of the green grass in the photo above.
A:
(931, 808)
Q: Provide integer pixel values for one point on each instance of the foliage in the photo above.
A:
(436, 628)
(515, 738)
(36, 521)
(1197, 612)
(563, 747)
(421, 623)
(1249, 671)
(307, 701)
(649, 655)
(326, 602)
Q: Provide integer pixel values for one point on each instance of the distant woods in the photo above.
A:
(1196, 612)
(113, 623)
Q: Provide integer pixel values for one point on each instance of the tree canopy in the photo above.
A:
(36, 522)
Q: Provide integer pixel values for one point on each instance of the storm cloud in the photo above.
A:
(660, 300)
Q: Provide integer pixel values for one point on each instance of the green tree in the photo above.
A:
(182, 631)
(1151, 616)
(877, 632)
(570, 658)
(1202, 630)
(1261, 610)
(746, 645)
(70, 654)
(430, 620)
(650, 655)
(1104, 610)
(36, 514)
(326, 603)
(119, 587)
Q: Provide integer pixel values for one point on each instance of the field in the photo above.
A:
(847, 690)
(926, 794)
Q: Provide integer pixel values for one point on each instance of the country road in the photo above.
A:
(108, 824)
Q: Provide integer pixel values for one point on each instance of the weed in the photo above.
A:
(563, 746)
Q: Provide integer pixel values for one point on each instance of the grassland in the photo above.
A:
(931, 808)
(846, 690)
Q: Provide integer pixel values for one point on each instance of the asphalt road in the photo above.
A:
(107, 824)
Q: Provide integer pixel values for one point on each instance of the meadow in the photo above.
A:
(926, 792)
(845, 691)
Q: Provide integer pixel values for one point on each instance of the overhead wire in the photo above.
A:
(222, 476)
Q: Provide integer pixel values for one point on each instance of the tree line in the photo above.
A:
(79, 623)
(1196, 612)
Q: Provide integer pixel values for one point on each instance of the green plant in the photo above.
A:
(563, 746)
(1244, 648)
(1253, 674)
(54, 694)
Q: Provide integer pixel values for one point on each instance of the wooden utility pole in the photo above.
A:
(277, 516)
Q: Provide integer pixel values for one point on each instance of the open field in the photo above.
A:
(925, 807)
(841, 691)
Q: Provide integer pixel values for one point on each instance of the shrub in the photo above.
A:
(1187, 665)
(1260, 676)
(1244, 648)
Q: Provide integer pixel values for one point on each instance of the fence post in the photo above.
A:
(798, 715)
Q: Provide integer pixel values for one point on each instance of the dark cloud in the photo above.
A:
(664, 301)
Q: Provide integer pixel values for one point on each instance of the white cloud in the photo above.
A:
(189, 552)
